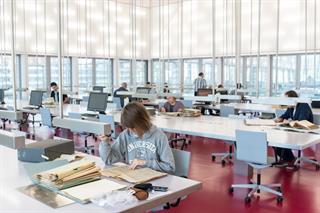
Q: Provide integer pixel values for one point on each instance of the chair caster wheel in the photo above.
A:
(223, 162)
(317, 167)
(247, 200)
(279, 199)
(213, 158)
(230, 190)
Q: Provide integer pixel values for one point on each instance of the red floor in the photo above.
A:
(301, 188)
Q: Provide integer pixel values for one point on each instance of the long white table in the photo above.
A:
(13, 176)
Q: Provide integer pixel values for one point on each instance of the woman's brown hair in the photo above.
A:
(134, 115)
(291, 94)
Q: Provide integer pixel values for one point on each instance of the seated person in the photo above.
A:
(172, 105)
(166, 88)
(141, 144)
(55, 93)
(152, 88)
(123, 87)
(301, 111)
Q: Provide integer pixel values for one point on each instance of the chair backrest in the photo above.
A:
(187, 103)
(117, 101)
(316, 119)
(225, 110)
(85, 98)
(252, 146)
(46, 119)
(182, 162)
(110, 120)
(161, 104)
(74, 115)
(280, 112)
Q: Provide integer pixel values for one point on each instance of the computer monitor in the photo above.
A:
(36, 98)
(143, 90)
(204, 92)
(98, 88)
(221, 91)
(1, 96)
(97, 102)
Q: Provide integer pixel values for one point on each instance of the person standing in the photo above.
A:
(199, 83)
(123, 87)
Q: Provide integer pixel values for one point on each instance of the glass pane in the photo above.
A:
(191, 71)
(141, 73)
(287, 66)
(54, 63)
(37, 73)
(229, 74)
(172, 75)
(211, 76)
(104, 73)
(250, 80)
(309, 75)
(85, 74)
(5, 72)
(124, 71)
(157, 74)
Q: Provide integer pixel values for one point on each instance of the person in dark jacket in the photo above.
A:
(301, 111)
(55, 93)
(123, 87)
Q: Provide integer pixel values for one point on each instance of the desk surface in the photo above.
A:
(12, 200)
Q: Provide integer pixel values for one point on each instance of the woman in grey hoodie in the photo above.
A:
(141, 144)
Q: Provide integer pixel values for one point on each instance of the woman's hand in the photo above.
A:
(162, 109)
(137, 162)
(105, 138)
(278, 120)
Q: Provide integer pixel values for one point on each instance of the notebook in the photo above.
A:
(259, 122)
(85, 192)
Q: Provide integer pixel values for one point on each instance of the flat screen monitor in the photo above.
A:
(143, 90)
(98, 88)
(1, 96)
(36, 98)
(204, 92)
(221, 91)
(97, 102)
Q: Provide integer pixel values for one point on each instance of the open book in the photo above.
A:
(304, 124)
(184, 113)
(132, 176)
(69, 175)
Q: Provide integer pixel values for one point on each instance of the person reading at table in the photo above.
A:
(55, 93)
(172, 105)
(301, 111)
(141, 144)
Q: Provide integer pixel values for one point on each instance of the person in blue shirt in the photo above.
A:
(123, 87)
(301, 111)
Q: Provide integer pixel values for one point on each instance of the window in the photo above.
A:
(37, 73)
(285, 78)
(104, 73)
(172, 75)
(125, 71)
(250, 75)
(191, 69)
(85, 74)
(211, 76)
(141, 73)
(5, 72)
(229, 73)
(309, 75)
(157, 74)
(54, 64)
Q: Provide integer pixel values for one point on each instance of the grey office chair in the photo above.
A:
(117, 101)
(87, 149)
(279, 112)
(46, 119)
(252, 147)
(110, 120)
(182, 161)
(225, 111)
(187, 103)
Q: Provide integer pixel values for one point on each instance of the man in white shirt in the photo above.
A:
(199, 83)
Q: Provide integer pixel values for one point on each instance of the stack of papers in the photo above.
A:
(72, 174)
(303, 125)
(191, 113)
(133, 175)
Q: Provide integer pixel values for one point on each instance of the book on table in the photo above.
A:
(259, 122)
(69, 175)
(139, 175)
